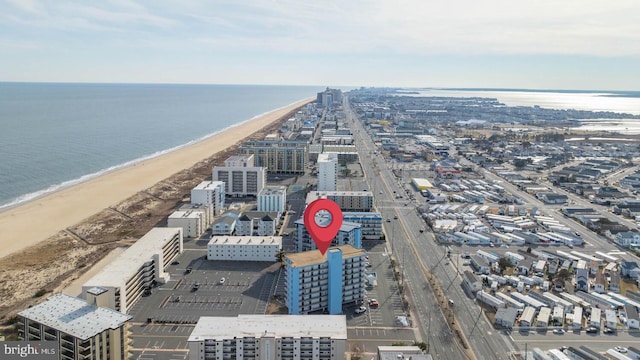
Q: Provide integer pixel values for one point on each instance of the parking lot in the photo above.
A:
(163, 320)
(386, 293)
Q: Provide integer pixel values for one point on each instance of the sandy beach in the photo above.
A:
(35, 221)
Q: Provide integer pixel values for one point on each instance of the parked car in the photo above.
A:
(608, 331)
(592, 329)
(361, 310)
(175, 262)
(559, 331)
(620, 349)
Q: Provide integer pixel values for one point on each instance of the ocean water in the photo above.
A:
(56, 135)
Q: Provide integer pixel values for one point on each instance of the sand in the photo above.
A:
(33, 222)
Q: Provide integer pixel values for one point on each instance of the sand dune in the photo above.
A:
(37, 220)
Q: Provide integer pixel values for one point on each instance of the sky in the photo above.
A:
(540, 44)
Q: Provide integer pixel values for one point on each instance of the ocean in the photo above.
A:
(56, 135)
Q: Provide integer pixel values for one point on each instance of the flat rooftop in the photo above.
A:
(74, 316)
(205, 185)
(119, 271)
(246, 240)
(222, 328)
(315, 257)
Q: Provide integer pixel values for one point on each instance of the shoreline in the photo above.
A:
(36, 220)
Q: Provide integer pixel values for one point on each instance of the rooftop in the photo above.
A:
(246, 240)
(116, 273)
(209, 185)
(74, 316)
(220, 328)
(315, 257)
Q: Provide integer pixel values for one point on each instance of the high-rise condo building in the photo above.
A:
(209, 192)
(324, 282)
(240, 176)
(83, 330)
(327, 171)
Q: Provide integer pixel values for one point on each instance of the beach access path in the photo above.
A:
(30, 223)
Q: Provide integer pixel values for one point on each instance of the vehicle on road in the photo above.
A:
(222, 280)
(395, 217)
(558, 331)
(421, 230)
(451, 302)
(188, 270)
(175, 262)
(361, 310)
(374, 303)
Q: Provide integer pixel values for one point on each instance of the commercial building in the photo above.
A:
(327, 172)
(421, 183)
(240, 176)
(349, 233)
(209, 192)
(83, 330)
(269, 337)
(273, 198)
(324, 282)
(244, 248)
(140, 266)
(354, 201)
(288, 157)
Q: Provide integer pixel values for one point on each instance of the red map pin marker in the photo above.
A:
(322, 235)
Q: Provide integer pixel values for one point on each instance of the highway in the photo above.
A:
(418, 254)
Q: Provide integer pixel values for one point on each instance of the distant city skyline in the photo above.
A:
(582, 45)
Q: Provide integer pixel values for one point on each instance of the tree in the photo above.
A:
(280, 256)
(421, 345)
(563, 275)
(504, 263)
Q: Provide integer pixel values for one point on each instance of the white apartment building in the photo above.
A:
(240, 176)
(273, 198)
(260, 223)
(209, 192)
(327, 171)
(135, 270)
(353, 201)
(191, 222)
(205, 209)
(82, 330)
(244, 248)
(269, 337)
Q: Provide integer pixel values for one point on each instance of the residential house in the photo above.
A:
(480, 264)
(600, 284)
(614, 282)
(633, 321)
(627, 238)
(630, 269)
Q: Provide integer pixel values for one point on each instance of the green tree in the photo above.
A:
(504, 263)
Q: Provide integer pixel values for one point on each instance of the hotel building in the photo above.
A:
(354, 201)
(244, 248)
(269, 337)
(82, 330)
(273, 198)
(240, 176)
(126, 278)
(349, 233)
(324, 282)
(287, 157)
(327, 172)
(209, 192)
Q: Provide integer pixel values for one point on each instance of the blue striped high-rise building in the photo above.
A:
(318, 282)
